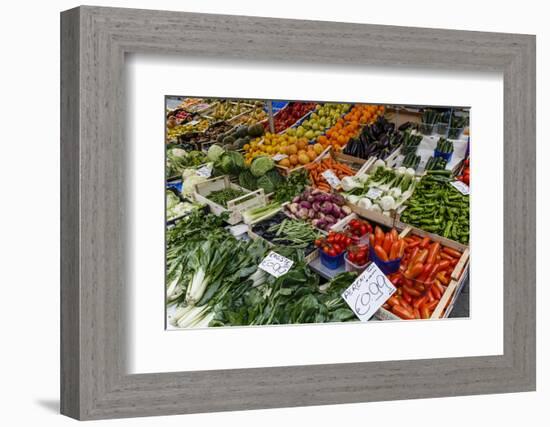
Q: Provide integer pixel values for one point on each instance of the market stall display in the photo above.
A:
(334, 189)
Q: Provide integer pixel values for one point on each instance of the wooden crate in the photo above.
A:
(236, 206)
(374, 216)
(287, 171)
(458, 275)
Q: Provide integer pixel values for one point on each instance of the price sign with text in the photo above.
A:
(205, 170)
(374, 193)
(462, 187)
(278, 157)
(368, 292)
(331, 178)
(276, 264)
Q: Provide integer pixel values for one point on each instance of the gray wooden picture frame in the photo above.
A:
(94, 41)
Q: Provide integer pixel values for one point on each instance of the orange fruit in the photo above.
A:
(303, 159)
(311, 154)
(285, 162)
(318, 148)
(301, 144)
(293, 159)
(291, 149)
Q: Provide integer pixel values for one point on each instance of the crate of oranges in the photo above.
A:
(349, 125)
(288, 151)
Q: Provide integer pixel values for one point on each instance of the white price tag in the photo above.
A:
(278, 157)
(276, 264)
(205, 170)
(368, 292)
(462, 187)
(193, 122)
(374, 193)
(331, 178)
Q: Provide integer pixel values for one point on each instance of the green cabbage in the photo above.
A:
(247, 180)
(261, 165)
(270, 181)
(232, 162)
(215, 152)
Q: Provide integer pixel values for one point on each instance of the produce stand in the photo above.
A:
(272, 203)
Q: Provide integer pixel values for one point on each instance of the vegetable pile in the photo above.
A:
(316, 170)
(323, 210)
(387, 246)
(423, 276)
(383, 190)
(444, 146)
(178, 159)
(335, 243)
(435, 163)
(379, 139)
(281, 230)
(437, 207)
(465, 175)
(222, 197)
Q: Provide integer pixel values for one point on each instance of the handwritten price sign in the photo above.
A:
(368, 292)
(374, 193)
(205, 170)
(331, 178)
(276, 264)
(460, 186)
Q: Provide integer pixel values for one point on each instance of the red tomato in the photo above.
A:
(362, 230)
(332, 252)
(351, 256)
(337, 248)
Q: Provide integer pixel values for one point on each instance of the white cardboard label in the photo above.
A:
(368, 292)
(276, 264)
(374, 193)
(331, 178)
(205, 170)
(278, 157)
(462, 187)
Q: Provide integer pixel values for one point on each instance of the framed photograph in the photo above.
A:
(261, 213)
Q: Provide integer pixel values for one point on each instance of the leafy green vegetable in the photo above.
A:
(261, 165)
(215, 152)
(270, 181)
(292, 298)
(295, 184)
(221, 197)
(256, 213)
(177, 160)
(231, 162)
(247, 180)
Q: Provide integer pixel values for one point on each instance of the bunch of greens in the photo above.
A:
(222, 197)
(269, 182)
(204, 261)
(175, 207)
(290, 299)
(294, 185)
(177, 160)
(256, 213)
